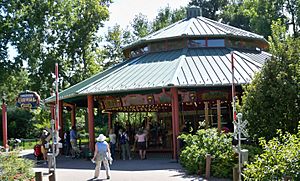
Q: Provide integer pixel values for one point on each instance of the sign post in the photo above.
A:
(55, 128)
(4, 123)
(240, 129)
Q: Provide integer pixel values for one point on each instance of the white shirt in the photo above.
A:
(112, 138)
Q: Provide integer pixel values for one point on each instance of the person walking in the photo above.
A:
(112, 142)
(73, 140)
(102, 155)
(124, 142)
(68, 145)
(141, 139)
(44, 142)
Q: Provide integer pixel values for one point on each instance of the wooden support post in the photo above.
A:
(219, 115)
(38, 176)
(175, 121)
(73, 115)
(91, 122)
(109, 122)
(61, 121)
(207, 168)
(206, 114)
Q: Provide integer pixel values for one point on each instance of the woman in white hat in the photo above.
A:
(102, 154)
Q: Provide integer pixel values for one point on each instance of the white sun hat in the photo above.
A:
(101, 137)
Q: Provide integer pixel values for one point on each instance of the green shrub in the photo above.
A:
(252, 151)
(280, 158)
(13, 167)
(204, 142)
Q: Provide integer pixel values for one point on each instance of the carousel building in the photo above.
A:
(183, 74)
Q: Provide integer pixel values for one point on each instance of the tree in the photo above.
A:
(272, 100)
(141, 26)
(166, 17)
(210, 8)
(233, 14)
(116, 38)
(254, 15)
(45, 33)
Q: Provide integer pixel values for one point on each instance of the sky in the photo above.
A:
(122, 12)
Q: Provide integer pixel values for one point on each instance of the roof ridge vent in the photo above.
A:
(193, 11)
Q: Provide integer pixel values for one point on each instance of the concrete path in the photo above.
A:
(155, 168)
(158, 167)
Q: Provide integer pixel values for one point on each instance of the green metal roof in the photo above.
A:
(194, 67)
(197, 27)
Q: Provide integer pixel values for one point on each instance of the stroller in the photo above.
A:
(38, 152)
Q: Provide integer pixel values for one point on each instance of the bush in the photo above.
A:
(252, 151)
(204, 142)
(280, 158)
(13, 167)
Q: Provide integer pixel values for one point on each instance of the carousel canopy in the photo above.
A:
(194, 52)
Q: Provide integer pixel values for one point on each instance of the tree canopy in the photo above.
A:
(272, 100)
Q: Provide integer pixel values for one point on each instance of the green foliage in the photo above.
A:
(166, 16)
(280, 158)
(44, 33)
(20, 123)
(140, 25)
(204, 142)
(13, 167)
(272, 100)
(252, 151)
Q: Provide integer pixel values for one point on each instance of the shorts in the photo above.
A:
(141, 145)
(43, 150)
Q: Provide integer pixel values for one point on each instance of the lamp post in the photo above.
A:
(4, 122)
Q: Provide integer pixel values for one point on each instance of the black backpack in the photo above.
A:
(123, 139)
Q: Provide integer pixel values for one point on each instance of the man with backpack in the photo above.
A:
(124, 143)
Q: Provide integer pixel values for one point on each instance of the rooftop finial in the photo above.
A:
(193, 11)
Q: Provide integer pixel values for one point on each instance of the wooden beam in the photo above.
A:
(61, 121)
(175, 121)
(219, 115)
(206, 114)
(91, 122)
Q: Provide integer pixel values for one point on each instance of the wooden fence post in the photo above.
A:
(207, 168)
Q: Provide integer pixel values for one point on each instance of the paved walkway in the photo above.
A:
(158, 167)
(155, 168)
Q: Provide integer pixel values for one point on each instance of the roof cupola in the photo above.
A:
(193, 12)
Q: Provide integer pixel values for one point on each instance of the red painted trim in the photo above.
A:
(61, 121)
(91, 122)
(175, 121)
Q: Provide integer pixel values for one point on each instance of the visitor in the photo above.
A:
(43, 144)
(124, 142)
(141, 139)
(112, 142)
(102, 155)
(73, 140)
(67, 143)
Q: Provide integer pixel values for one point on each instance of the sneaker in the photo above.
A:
(108, 177)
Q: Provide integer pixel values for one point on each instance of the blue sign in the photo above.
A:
(28, 100)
